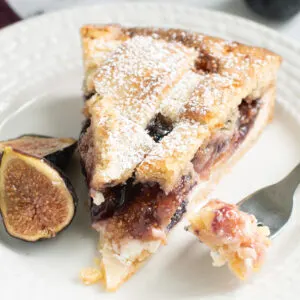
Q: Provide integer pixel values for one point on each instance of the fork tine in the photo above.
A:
(273, 205)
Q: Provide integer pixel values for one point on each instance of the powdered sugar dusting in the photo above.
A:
(238, 74)
(168, 159)
(101, 49)
(175, 142)
(157, 71)
(122, 149)
(119, 143)
(209, 93)
(138, 73)
(173, 104)
(181, 35)
(134, 142)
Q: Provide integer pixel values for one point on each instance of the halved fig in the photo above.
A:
(57, 150)
(36, 200)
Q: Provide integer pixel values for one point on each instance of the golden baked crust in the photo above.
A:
(116, 266)
(208, 100)
(119, 143)
(97, 44)
(139, 72)
(99, 41)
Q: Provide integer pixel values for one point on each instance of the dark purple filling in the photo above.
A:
(248, 113)
(88, 96)
(120, 199)
(222, 145)
(115, 198)
(86, 124)
(181, 210)
(159, 127)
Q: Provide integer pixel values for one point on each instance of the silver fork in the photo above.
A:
(273, 205)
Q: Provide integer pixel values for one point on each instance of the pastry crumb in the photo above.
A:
(90, 276)
(233, 236)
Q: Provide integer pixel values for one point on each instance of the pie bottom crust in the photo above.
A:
(120, 271)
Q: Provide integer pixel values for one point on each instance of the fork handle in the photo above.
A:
(292, 180)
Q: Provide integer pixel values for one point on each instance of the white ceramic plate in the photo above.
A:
(40, 92)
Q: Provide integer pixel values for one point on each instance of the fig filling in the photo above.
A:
(181, 210)
(136, 209)
(159, 127)
(224, 142)
(115, 197)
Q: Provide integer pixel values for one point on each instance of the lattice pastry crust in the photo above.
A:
(167, 110)
(139, 73)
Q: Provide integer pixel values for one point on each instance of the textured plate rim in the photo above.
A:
(293, 45)
(216, 13)
(288, 43)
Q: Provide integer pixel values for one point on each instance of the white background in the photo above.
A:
(291, 28)
(43, 72)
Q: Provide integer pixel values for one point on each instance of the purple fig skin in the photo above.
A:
(60, 157)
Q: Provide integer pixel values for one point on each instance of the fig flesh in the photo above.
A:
(36, 200)
(56, 150)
